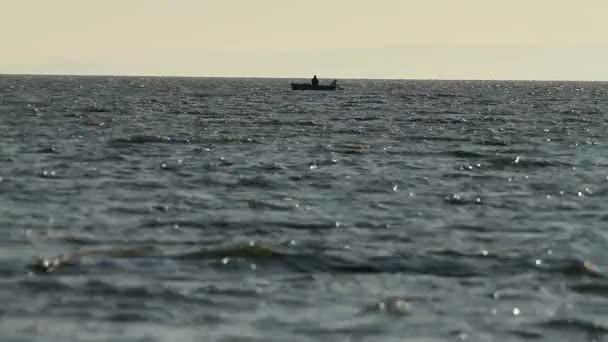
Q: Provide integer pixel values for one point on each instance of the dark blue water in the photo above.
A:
(239, 210)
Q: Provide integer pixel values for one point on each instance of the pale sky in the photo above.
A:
(445, 39)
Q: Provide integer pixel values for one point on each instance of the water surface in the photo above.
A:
(389, 211)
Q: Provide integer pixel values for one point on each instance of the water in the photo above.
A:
(239, 210)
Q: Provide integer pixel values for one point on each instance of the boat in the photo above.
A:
(308, 86)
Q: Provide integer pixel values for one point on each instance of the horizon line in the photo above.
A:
(297, 77)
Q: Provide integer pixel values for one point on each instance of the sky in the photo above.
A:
(397, 39)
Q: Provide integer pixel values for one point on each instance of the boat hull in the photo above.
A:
(308, 86)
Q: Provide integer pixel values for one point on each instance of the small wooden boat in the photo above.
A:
(309, 86)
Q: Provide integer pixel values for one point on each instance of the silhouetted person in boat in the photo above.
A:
(315, 81)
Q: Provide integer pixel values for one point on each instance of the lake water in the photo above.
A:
(239, 210)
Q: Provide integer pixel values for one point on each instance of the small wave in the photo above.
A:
(299, 262)
(459, 254)
(446, 95)
(493, 119)
(394, 306)
(352, 148)
(81, 240)
(429, 265)
(442, 263)
(574, 324)
(98, 287)
(462, 199)
(227, 291)
(147, 139)
(430, 118)
(465, 154)
(225, 139)
(71, 261)
(97, 109)
(307, 123)
(250, 251)
(259, 182)
(487, 102)
(137, 185)
(132, 317)
(362, 331)
(525, 163)
(355, 131)
(527, 335)
(492, 142)
(265, 122)
(50, 149)
(262, 205)
(597, 289)
(269, 167)
(574, 268)
(44, 285)
(366, 118)
(436, 138)
(318, 225)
